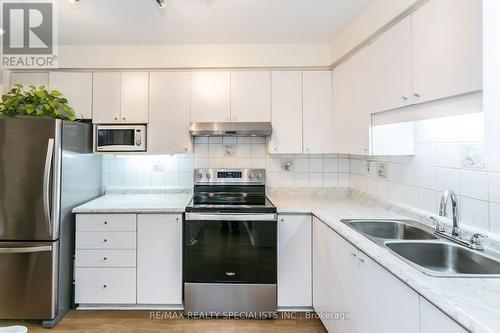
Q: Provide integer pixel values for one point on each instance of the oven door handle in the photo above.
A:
(230, 217)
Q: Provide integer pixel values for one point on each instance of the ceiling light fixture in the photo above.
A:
(161, 3)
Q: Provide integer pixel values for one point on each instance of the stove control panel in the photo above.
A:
(230, 176)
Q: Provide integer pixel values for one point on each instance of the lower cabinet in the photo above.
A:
(352, 293)
(127, 259)
(159, 259)
(433, 320)
(294, 261)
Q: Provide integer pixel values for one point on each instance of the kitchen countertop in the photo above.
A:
(472, 302)
(130, 202)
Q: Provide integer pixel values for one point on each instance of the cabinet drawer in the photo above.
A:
(105, 222)
(105, 258)
(105, 285)
(105, 240)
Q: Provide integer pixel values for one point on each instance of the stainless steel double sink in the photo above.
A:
(417, 244)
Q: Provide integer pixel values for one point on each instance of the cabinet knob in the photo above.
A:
(361, 260)
(104, 286)
(104, 259)
(404, 99)
(177, 219)
(105, 240)
(275, 149)
(354, 255)
(185, 149)
(282, 220)
(116, 118)
(123, 118)
(416, 95)
(105, 222)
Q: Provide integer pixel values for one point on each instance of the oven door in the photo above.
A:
(230, 248)
(121, 138)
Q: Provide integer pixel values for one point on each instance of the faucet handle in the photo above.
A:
(475, 241)
(439, 225)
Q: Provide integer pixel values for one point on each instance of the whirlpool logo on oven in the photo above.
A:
(29, 34)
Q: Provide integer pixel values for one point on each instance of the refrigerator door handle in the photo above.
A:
(46, 182)
(30, 249)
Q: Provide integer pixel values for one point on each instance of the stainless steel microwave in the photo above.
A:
(120, 138)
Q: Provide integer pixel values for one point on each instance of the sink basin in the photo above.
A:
(389, 229)
(446, 259)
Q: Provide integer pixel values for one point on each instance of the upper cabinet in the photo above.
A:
(169, 119)
(134, 97)
(120, 97)
(447, 49)
(30, 78)
(317, 112)
(351, 114)
(251, 96)
(210, 97)
(286, 115)
(76, 87)
(390, 70)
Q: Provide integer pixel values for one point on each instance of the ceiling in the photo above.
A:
(203, 21)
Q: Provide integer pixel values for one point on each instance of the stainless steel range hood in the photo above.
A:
(230, 129)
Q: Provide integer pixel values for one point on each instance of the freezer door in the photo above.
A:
(28, 279)
(30, 162)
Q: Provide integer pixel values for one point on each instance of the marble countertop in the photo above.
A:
(472, 302)
(175, 202)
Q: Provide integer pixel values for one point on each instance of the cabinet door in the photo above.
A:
(26, 78)
(351, 115)
(447, 48)
(320, 263)
(251, 96)
(391, 77)
(432, 320)
(159, 259)
(343, 280)
(169, 113)
(134, 97)
(318, 112)
(286, 112)
(210, 97)
(106, 100)
(77, 89)
(294, 261)
(385, 304)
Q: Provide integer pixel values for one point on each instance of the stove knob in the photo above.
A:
(259, 175)
(200, 176)
(208, 176)
(250, 176)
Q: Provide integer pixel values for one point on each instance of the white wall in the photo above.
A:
(195, 56)
(164, 171)
(372, 18)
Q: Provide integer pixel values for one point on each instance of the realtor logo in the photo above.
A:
(29, 34)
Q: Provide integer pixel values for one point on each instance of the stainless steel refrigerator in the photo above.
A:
(46, 168)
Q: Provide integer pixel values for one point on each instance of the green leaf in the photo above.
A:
(55, 93)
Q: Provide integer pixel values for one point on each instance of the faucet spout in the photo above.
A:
(447, 196)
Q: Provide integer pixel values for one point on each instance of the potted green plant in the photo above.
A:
(35, 102)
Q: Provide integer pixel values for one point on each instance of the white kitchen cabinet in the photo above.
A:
(210, 97)
(159, 259)
(356, 294)
(286, 112)
(317, 112)
(30, 78)
(106, 97)
(134, 97)
(351, 114)
(76, 87)
(447, 49)
(391, 57)
(251, 96)
(105, 285)
(294, 261)
(169, 114)
(376, 286)
(433, 320)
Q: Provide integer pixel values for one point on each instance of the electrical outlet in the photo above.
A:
(382, 170)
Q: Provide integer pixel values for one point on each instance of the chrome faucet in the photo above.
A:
(447, 196)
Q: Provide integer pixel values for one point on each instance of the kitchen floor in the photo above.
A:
(140, 321)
